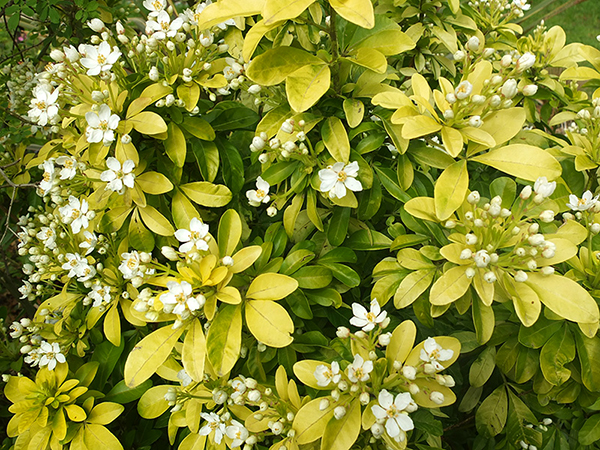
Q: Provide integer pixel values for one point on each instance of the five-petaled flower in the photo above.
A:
(101, 125)
(44, 108)
(180, 296)
(260, 195)
(99, 59)
(195, 238)
(360, 369)
(432, 353)
(163, 27)
(50, 355)
(367, 319)
(118, 176)
(584, 203)
(154, 6)
(213, 423)
(393, 412)
(326, 375)
(339, 177)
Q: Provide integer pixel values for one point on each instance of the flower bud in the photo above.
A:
(470, 273)
(377, 429)
(470, 239)
(459, 55)
(490, 277)
(364, 398)
(529, 90)
(547, 216)
(466, 254)
(271, 211)
(96, 25)
(526, 192)
(475, 121)
(343, 332)
(451, 98)
(525, 62)
(478, 99)
(506, 61)
(521, 277)
(385, 338)
(323, 404)
(254, 89)
(409, 372)
(437, 397)
(473, 43)
(169, 253)
(473, 198)
(487, 52)
(509, 88)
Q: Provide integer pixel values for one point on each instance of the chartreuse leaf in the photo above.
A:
(230, 232)
(148, 96)
(183, 211)
(450, 286)
(152, 403)
(369, 58)
(423, 398)
(156, 221)
(245, 258)
(149, 354)
(105, 413)
(336, 139)
(526, 302)
(401, 343)
(453, 141)
(305, 86)
(421, 208)
(269, 322)
(207, 194)
(194, 351)
(522, 161)
(148, 122)
(154, 183)
(224, 338)
(483, 319)
(412, 286)
(340, 434)
(354, 110)
(193, 441)
(273, 66)
(359, 12)
(565, 297)
(310, 421)
(450, 189)
(271, 286)
(112, 326)
(418, 126)
(97, 436)
(555, 354)
(189, 93)
(490, 417)
(278, 10)
(222, 11)
(389, 42)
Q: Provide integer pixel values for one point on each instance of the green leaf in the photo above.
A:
(412, 286)
(230, 232)
(368, 240)
(305, 86)
(490, 417)
(340, 434)
(590, 431)
(588, 351)
(450, 286)
(483, 367)
(207, 194)
(338, 226)
(451, 189)
(389, 180)
(273, 66)
(556, 353)
(149, 354)
(121, 393)
(224, 339)
(199, 128)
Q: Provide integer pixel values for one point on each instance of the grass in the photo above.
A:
(581, 22)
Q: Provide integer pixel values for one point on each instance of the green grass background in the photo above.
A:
(581, 22)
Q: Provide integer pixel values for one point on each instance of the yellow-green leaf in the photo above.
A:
(149, 354)
(97, 436)
(76, 413)
(450, 286)
(421, 208)
(148, 96)
(359, 12)
(271, 286)
(112, 326)
(156, 221)
(105, 413)
(148, 122)
(221, 11)
(152, 403)
(175, 145)
(307, 85)
(340, 434)
(230, 232)
(401, 343)
(370, 58)
(310, 421)
(450, 189)
(224, 339)
(273, 66)
(355, 111)
(279, 10)
(269, 322)
(183, 211)
(245, 258)
(336, 139)
(413, 285)
(452, 140)
(564, 297)
(154, 183)
(523, 161)
(189, 93)
(207, 194)
(388, 42)
(418, 126)
(199, 128)
(194, 351)
(305, 372)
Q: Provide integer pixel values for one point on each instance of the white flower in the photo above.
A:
(326, 375)
(26, 289)
(16, 330)
(71, 53)
(359, 370)
(337, 178)
(44, 108)
(239, 387)
(47, 182)
(131, 265)
(96, 25)
(69, 169)
(543, 187)
(79, 267)
(397, 420)
(118, 176)
(432, 353)
(100, 294)
(77, 213)
(463, 90)
(50, 355)
(367, 319)
(180, 295)
(584, 203)
(482, 258)
(163, 27)
(89, 242)
(233, 69)
(99, 59)
(195, 238)
(154, 6)
(185, 379)
(522, 5)
(213, 424)
(101, 125)
(48, 236)
(509, 88)
(237, 432)
(260, 195)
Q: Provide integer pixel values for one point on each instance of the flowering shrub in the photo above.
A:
(231, 197)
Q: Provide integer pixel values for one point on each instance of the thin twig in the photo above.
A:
(14, 185)
(13, 37)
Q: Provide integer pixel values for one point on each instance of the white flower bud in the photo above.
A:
(475, 121)
(409, 372)
(360, 334)
(478, 99)
(521, 277)
(343, 332)
(536, 239)
(449, 114)
(450, 224)
(364, 398)
(526, 192)
(595, 228)
(547, 216)
(254, 395)
(470, 273)
(96, 25)
(525, 62)
(377, 430)
(342, 386)
(473, 43)
(254, 89)
(323, 404)
(529, 90)
(271, 211)
(57, 55)
(509, 88)
(384, 339)
(451, 98)
(470, 239)
(339, 412)
(473, 198)
(277, 428)
(466, 254)
(459, 55)
(487, 52)
(287, 127)
(506, 61)
(490, 277)
(335, 395)
(169, 253)
(437, 397)
(449, 381)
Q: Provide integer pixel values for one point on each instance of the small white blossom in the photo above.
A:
(118, 176)
(101, 125)
(525, 62)
(180, 296)
(359, 370)
(367, 319)
(522, 5)
(99, 59)
(393, 412)
(463, 90)
(154, 6)
(163, 27)
(131, 265)
(237, 432)
(77, 213)
(325, 375)
(584, 203)
(214, 424)
(50, 355)
(432, 353)
(89, 242)
(543, 187)
(48, 177)
(100, 294)
(44, 107)
(195, 238)
(260, 195)
(69, 169)
(339, 177)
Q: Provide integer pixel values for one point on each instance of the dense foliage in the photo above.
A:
(278, 224)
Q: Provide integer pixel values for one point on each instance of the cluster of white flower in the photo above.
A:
(20, 81)
(193, 241)
(134, 266)
(508, 9)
